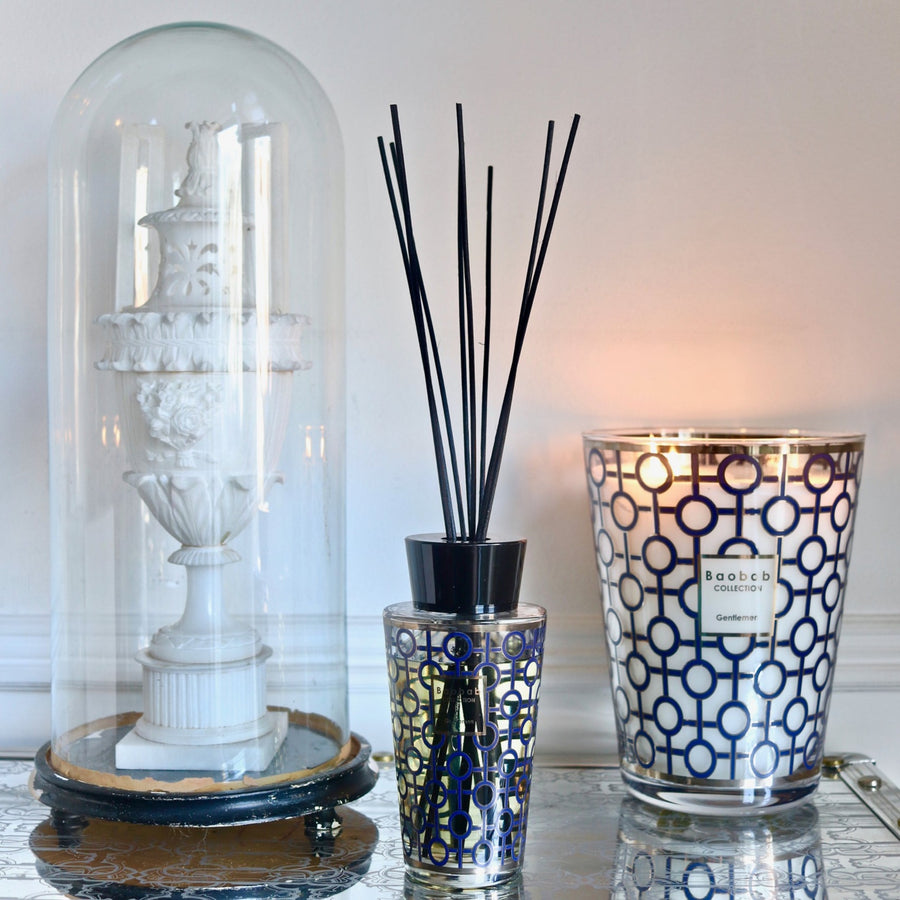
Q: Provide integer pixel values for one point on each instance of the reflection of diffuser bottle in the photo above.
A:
(464, 663)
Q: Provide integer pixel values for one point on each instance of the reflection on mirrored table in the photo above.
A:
(586, 839)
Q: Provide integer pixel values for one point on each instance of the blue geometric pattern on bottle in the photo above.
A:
(722, 577)
(464, 712)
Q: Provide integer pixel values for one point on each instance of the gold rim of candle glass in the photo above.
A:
(715, 440)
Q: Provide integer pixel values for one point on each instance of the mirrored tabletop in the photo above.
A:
(586, 838)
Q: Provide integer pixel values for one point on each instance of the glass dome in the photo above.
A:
(197, 428)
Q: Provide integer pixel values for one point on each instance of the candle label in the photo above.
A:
(737, 594)
(460, 704)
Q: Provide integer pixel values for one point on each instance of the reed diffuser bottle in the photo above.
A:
(464, 657)
(464, 665)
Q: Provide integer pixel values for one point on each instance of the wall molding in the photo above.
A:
(25, 652)
(576, 652)
(575, 712)
(868, 658)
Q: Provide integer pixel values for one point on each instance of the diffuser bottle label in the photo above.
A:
(737, 594)
(459, 704)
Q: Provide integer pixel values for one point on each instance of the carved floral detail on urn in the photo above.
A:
(178, 414)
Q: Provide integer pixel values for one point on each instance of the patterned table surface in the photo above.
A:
(586, 839)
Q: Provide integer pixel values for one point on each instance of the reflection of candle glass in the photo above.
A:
(723, 561)
(666, 855)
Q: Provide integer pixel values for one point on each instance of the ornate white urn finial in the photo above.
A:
(199, 185)
(198, 257)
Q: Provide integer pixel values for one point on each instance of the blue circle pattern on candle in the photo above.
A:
(731, 707)
(463, 772)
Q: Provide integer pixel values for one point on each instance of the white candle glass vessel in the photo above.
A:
(723, 559)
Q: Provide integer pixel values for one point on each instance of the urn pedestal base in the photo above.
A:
(252, 755)
(209, 716)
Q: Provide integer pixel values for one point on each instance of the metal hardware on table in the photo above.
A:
(858, 772)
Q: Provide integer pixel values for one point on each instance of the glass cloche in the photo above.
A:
(197, 437)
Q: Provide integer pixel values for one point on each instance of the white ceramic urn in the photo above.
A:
(205, 385)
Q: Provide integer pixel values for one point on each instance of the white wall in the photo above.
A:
(726, 252)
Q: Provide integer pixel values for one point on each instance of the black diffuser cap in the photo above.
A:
(464, 578)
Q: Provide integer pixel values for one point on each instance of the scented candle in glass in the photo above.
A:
(723, 560)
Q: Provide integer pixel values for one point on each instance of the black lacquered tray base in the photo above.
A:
(312, 796)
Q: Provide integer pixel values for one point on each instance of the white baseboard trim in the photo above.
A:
(867, 657)
(576, 653)
(575, 712)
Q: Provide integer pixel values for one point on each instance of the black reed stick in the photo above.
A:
(464, 304)
(486, 353)
(417, 296)
(480, 474)
(420, 301)
(487, 500)
(467, 337)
